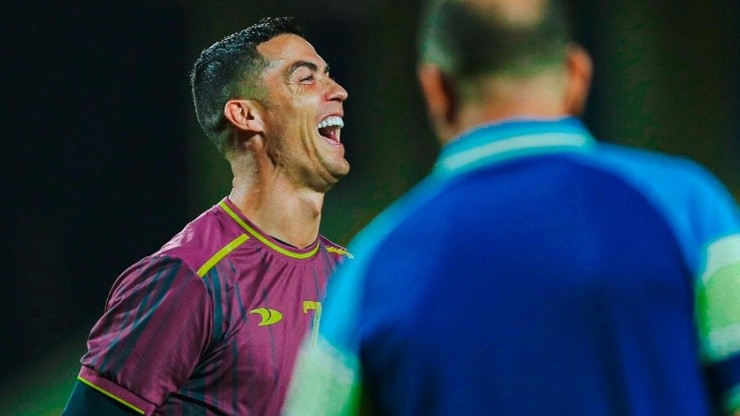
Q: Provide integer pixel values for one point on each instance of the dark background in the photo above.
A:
(103, 161)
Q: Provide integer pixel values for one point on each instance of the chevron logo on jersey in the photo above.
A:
(269, 316)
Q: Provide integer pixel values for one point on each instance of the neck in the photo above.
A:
(473, 117)
(281, 209)
(497, 99)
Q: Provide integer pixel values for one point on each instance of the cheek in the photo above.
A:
(306, 99)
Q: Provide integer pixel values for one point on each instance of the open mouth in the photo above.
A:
(329, 128)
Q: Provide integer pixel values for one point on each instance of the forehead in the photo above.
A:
(284, 50)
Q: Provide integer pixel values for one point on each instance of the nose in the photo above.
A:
(335, 92)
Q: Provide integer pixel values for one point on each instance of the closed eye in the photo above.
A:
(303, 72)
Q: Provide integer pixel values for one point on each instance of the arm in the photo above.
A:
(156, 323)
(84, 401)
(718, 318)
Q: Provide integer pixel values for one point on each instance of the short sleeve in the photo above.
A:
(155, 327)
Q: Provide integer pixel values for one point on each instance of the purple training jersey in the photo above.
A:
(211, 323)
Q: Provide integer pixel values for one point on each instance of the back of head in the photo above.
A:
(483, 61)
(229, 69)
(517, 38)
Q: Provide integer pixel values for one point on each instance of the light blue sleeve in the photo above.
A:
(706, 222)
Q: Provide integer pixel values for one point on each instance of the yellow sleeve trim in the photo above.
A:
(340, 251)
(110, 395)
(264, 240)
(221, 254)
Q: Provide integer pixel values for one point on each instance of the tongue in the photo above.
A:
(329, 133)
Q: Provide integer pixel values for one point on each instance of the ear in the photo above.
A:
(245, 115)
(440, 99)
(580, 71)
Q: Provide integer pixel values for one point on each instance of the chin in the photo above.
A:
(340, 171)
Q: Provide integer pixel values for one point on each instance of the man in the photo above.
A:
(210, 324)
(535, 271)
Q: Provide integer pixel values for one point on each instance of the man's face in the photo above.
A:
(303, 113)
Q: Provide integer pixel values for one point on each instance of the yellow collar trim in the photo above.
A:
(263, 239)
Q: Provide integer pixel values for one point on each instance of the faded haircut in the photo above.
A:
(229, 69)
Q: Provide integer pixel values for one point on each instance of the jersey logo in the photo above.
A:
(269, 316)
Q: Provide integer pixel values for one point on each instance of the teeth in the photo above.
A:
(332, 121)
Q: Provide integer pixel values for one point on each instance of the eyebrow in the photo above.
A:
(307, 64)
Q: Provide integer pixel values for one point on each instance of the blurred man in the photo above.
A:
(536, 271)
(210, 324)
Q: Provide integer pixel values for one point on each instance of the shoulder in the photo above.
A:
(337, 252)
(412, 215)
(160, 272)
(628, 159)
(371, 247)
(204, 241)
(406, 212)
(694, 203)
(672, 182)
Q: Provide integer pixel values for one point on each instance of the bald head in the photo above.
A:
(515, 12)
(482, 61)
(467, 38)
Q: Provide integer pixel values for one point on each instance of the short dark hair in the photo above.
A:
(467, 41)
(227, 69)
